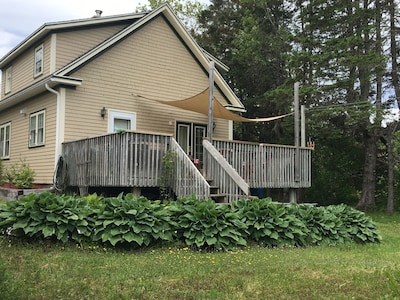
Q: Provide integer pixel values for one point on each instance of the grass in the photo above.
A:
(42, 270)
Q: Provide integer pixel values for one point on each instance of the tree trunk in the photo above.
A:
(390, 198)
(367, 200)
(387, 138)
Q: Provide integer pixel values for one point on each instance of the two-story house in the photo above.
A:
(79, 79)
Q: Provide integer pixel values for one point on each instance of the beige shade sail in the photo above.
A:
(199, 104)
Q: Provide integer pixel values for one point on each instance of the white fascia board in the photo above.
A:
(37, 88)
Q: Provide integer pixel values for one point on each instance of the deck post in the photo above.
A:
(136, 191)
(303, 126)
(292, 195)
(211, 103)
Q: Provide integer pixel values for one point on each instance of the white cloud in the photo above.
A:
(7, 41)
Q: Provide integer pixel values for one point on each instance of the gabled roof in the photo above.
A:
(141, 19)
(46, 28)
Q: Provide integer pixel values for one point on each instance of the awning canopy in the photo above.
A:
(199, 104)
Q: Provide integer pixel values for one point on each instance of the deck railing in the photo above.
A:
(129, 159)
(132, 159)
(216, 168)
(187, 179)
(268, 166)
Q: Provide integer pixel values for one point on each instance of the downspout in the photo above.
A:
(57, 122)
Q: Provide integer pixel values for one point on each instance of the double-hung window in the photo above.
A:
(5, 134)
(38, 61)
(36, 129)
(7, 87)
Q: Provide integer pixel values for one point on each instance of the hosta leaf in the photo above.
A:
(289, 235)
(130, 237)
(274, 235)
(211, 241)
(114, 239)
(6, 214)
(48, 231)
(7, 221)
(108, 222)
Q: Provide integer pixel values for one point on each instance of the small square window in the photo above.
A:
(36, 129)
(38, 67)
(7, 87)
(5, 137)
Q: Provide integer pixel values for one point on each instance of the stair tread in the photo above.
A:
(218, 195)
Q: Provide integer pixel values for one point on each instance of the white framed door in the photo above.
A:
(190, 138)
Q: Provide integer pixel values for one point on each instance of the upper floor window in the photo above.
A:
(38, 61)
(7, 87)
(5, 131)
(36, 129)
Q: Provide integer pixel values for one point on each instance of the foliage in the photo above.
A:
(187, 10)
(197, 224)
(46, 215)
(270, 223)
(208, 225)
(252, 38)
(136, 221)
(20, 174)
(274, 224)
(167, 173)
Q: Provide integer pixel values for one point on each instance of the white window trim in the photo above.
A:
(118, 114)
(8, 77)
(35, 73)
(4, 126)
(35, 143)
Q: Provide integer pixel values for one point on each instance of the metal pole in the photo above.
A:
(293, 192)
(211, 103)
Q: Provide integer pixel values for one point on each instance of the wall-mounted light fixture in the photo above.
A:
(23, 111)
(103, 112)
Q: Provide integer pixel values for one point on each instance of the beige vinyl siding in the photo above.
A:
(40, 159)
(152, 62)
(23, 67)
(71, 45)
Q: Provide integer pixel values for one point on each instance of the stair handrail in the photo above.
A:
(224, 164)
(190, 173)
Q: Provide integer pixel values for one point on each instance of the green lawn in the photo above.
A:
(48, 271)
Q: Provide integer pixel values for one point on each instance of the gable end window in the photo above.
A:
(36, 129)
(38, 67)
(7, 87)
(5, 135)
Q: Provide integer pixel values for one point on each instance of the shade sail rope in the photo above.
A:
(199, 104)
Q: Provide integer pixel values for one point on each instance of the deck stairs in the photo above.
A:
(215, 193)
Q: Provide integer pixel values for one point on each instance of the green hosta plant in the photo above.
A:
(46, 215)
(355, 224)
(207, 225)
(134, 221)
(198, 224)
(269, 223)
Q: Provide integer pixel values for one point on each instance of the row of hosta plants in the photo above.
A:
(199, 224)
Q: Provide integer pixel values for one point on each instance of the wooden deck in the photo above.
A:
(134, 159)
